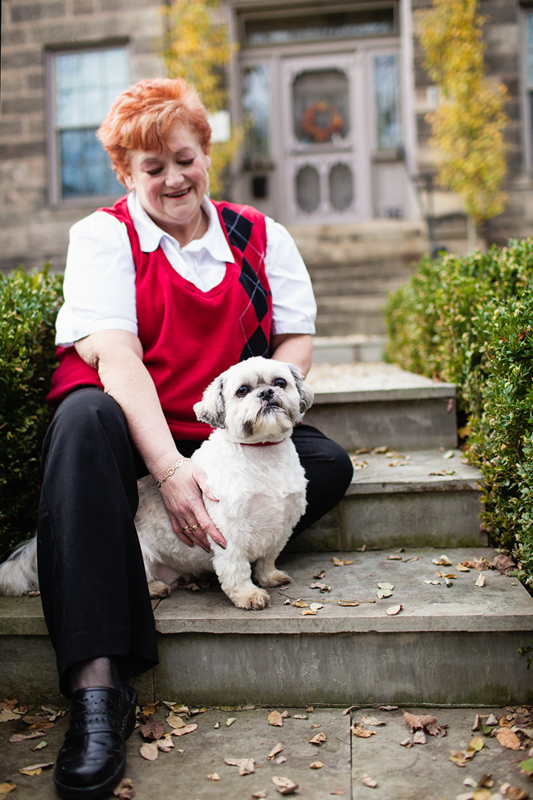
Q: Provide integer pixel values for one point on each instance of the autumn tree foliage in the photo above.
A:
(197, 48)
(468, 124)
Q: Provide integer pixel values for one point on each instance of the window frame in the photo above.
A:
(55, 198)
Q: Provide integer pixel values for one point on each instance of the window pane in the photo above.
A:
(366, 22)
(386, 85)
(85, 166)
(340, 181)
(308, 189)
(321, 106)
(87, 83)
(530, 48)
(256, 105)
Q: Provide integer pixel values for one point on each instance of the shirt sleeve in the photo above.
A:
(294, 306)
(99, 286)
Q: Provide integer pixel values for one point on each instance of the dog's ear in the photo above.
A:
(304, 390)
(211, 408)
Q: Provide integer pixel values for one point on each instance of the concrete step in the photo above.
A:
(368, 405)
(347, 349)
(447, 646)
(402, 502)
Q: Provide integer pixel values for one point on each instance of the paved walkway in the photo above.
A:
(421, 772)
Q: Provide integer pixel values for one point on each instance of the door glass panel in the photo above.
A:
(256, 105)
(308, 189)
(320, 106)
(386, 86)
(340, 181)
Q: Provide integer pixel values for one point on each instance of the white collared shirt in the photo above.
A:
(99, 285)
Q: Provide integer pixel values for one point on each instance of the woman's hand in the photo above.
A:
(182, 496)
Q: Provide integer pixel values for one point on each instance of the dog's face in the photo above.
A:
(257, 400)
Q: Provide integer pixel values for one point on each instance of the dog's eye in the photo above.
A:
(242, 391)
(280, 382)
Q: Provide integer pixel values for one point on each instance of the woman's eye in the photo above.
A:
(280, 382)
(186, 163)
(155, 171)
(242, 391)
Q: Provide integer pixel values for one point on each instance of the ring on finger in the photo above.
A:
(194, 527)
(186, 528)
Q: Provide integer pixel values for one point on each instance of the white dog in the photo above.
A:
(252, 467)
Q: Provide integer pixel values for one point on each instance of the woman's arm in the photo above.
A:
(294, 348)
(117, 355)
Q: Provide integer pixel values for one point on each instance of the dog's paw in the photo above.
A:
(255, 599)
(275, 578)
(158, 589)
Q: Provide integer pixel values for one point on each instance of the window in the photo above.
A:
(256, 107)
(386, 94)
(84, 84)
(529, 84)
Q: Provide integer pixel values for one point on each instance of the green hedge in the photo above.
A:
(28, 307)
(468, 320)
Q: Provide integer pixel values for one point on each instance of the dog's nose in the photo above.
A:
(266, 394)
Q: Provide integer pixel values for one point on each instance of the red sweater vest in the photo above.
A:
(188, 336)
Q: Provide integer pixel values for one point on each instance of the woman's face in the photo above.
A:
(171, 184)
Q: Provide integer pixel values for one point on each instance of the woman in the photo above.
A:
(162, 293)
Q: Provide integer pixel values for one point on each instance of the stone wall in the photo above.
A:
(32, 231)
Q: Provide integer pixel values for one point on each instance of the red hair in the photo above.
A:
(142, 117)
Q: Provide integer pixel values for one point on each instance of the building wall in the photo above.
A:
(31, 231)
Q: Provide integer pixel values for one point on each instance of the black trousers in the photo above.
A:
(91, 574)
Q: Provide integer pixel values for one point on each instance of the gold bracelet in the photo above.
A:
(179, 463)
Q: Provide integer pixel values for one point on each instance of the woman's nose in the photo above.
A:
(174, 175)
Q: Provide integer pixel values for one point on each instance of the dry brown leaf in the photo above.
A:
(341, 562)
(185, 730)
(406, 743)
(9, 703)
(508, 739)
(372, 721)
(338, 791)
(274, 752)
(504, 564)
(149, 751)
(165, 744)
(394, 558)
(246, 765)
(275, 718)
(125, 790)
(153, 729)
(150, 708)
(359, 730)
(460, 757)
(486, 781)
(42, 726)
(36, 769)
(443, 561)
(478, 563)
(300, 604)
(370, 782)
(214, 776)
(347, 710)
(260, 794)
(318, 738)
(348, 603)
(22, 737)
(300, 716)
(6, 788)
(481, 580)
(513, 792)
(393, 610)
(419, 737)
(284, 785)
(320, 574)
(424, 722)
(39, 746)
(481, 794)
(462, 568)
(316, 765)
(324, 588)
(308, 612)
(174, 721)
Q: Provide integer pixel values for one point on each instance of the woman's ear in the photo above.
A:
(128, 180)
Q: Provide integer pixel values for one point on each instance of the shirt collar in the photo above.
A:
(150, 235)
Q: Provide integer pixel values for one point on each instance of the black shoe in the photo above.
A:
(93, 756)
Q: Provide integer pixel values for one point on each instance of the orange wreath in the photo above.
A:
(321, 133)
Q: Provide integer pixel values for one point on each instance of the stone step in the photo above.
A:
(402, 502)
(346, 349)
(368, 405)
(447, 646)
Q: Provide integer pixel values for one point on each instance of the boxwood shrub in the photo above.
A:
(469, 321)
(29, 302)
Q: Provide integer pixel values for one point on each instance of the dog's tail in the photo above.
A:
(18, 575)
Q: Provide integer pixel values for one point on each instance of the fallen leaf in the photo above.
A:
(308, 612)
(339, 791)
(424, 722)
(260, 794)
(419, 738)
(300, 716)
(275, 718)
(393, 610)
(316, 606)
(527, 765)
(372, 721)
(318, 738)
(174, 721)
(6, 788)
(192, 587)
(513, 792)
(149, 751)
(246, 765)
(42, 726)
(216, 725)
(462, 568)
(478, 564)
(39, 746)
(125, 790)
(481, 794)
(443, 472)
(347, 710)
(370, 782)
(388, 708)
(504, 564)
(394, 558)
(449, 454)
(443, 561)
(348, 603)
(406, 743)
(214, 776)
(491, 720)
(316, 765)
(359, 730)
(341, 562)
(281, 760)
(481, 580)
(6, 715)
(166, 744)
(36, 769)
(185, 730)
(284, 785)
(433, 583)
(274, 752)
(389, 586)
(154, 729)
(22, 737)
(508, 739)
(150, 708)
(382, 593)
(320, 574)
(486, 781)
(300, 604)
(309, 709)
(230, 721)
(9, 703)
(324, 588)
